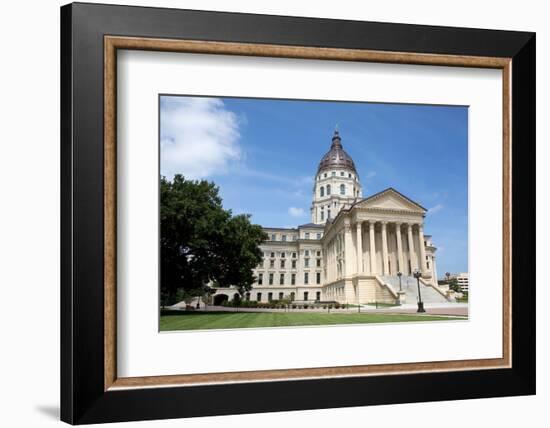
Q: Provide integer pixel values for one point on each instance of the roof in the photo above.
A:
(336, 157)
(318, 226)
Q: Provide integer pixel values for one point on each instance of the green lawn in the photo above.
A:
(178, 320)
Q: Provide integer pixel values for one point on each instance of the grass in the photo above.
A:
(178, 320)
(382, 305)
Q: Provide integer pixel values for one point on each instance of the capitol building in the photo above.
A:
(353, 248)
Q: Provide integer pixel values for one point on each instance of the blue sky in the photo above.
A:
(263, 154)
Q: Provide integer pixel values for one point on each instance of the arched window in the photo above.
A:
(322, 191)
(328, 189)
(342, 189)
(322, 214)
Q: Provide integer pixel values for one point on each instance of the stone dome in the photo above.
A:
(336, 157)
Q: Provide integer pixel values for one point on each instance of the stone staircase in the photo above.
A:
(408, 284)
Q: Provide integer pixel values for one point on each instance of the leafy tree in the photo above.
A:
(201, 243)
(453, 285)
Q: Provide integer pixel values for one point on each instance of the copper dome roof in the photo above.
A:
(336, 157)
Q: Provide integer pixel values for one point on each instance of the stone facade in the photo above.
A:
(354, 247)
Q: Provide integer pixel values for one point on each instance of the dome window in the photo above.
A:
(328, 189)
(322, 191)
(342, 189)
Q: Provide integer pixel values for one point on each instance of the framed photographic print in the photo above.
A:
(292, 213)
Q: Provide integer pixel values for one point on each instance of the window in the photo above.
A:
(322, 191)
(283, 238)
(293, 255)
(318, 263)
(318, 254)
(307, 235)
(325, 175)
(280, 296)
(306, 278)
(318, 278)
(282, 264)
(349, 175)
(269, 297)
(322, 214)
(318, 236)
(283, 255)
(333, 173)
(341, 173)
(270, 279)
(428, 263)
(318, 295)
(293, 264)
(342, 189)
(306, 262)
(272, 264)
(272, 255)
(259, 297)
(282, 279)
(306, 253)
(247, 297)
(260, 279)
(306, 295)
(328, 214)
(293, 280)
(328, 189)
(273, 237)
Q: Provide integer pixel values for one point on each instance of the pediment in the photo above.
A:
(390, 199)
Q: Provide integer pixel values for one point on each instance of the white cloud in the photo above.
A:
(370, 174)
(199, 137)
(296, 212)
(435, 208)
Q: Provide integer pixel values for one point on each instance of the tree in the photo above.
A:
(201, 242)
(453, 285)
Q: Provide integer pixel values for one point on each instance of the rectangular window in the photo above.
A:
(341, 173)
(306, 253)
(306, 262)
(282, 279)
(283, 238)
(270, 279)
(318, 236)
(273, 237)
(282, 264)
(322, 215)
(318, 254)
(283, 255)
(293, 255)
(260, 279)
(293, 279)
(259, 297)
(318, 296)
(306, 295)
(269, 297)
(307, 235)
(272, 263)
(293, 264)
(318, 262)
(281, 296)
(318, 278)
(333, 173)
(272, 255)
(306, 278)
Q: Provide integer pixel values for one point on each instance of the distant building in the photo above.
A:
(461, 279)
(352, 249)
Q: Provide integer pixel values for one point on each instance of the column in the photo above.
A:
(385, 270)
(359, 248)
(399, 247)
(411, 246)
(372, 251)
(422, 264)
(348, 251)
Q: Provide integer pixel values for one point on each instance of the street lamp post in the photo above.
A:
(399, 274)
(417, 274)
